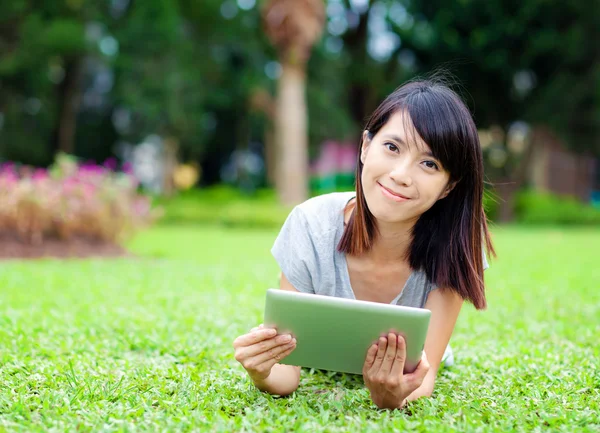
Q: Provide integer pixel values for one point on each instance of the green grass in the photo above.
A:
(145, 344)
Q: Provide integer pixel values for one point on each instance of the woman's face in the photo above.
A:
(401, 179)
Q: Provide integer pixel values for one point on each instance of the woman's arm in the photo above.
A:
(445, 306)
(284, 379)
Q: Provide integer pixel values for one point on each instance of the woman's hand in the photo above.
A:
(383, 372)
(260, 349)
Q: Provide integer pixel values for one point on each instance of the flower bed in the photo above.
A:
(69, 204)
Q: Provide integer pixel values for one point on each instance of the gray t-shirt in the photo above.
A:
(306, 251)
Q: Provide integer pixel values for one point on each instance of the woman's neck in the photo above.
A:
(392, 243)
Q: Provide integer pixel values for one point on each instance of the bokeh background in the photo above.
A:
(232, 111)
(173, 137)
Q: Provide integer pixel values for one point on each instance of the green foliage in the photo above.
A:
(536, 54)
(38, 47)
(145, 344)
(490, 204)
(226, 206)
(183, 70)
(540, 208)
(64, 37)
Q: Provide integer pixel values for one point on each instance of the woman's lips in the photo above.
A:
(392, 195)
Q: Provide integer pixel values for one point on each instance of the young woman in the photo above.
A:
(411, 234)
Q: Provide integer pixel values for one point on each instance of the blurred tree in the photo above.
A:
(525, 61)
(157, 89)
(514, 62)
(530, 60)
(204, 74)
(42, 46)
(293, 26)
(233, 61)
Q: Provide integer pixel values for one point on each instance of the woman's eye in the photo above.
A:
(431, 164)
(391, 147)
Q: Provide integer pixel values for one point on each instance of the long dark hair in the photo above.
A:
(447, 239)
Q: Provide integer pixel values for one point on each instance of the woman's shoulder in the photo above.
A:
(324, 211)
(331, 203)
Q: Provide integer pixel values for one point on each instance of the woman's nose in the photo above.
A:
(400, 174)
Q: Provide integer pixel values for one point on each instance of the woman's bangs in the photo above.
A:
(432, 119)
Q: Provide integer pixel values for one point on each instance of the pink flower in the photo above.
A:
(128, 168)
(9, 177)
(141, 206)
(7, 167)
(88, 190)
(111, 164)
(40, 174)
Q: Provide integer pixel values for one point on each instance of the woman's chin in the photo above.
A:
(384, 214)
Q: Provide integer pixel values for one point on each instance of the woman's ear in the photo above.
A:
(366, 142)
(448, 189)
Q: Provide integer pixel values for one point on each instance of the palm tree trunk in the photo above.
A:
(270, 152)
(69, 99)
(292, 135)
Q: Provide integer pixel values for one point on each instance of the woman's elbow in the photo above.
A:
(282, 390)
(425, 390)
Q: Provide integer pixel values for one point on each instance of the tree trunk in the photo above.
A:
(70, 92)
(270, 150)
(359, 92)
(506, 191)
(291, 135)
(508, 188)
(170, 150)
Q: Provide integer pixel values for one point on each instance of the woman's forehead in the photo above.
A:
(399, 127)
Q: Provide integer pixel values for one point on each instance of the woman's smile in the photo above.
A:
(399, 198)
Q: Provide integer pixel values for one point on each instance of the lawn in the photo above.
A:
(144, 344)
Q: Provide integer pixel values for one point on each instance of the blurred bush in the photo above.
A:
(228, 206)
(70, 200)
(225, 205)
(490, 204)
(543, 208)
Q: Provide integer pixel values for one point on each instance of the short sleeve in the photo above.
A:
(295, 253)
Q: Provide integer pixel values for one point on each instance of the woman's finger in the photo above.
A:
(254, 337)
(382, 345)
(400, 360)
(415, 379)
(370, 358)
(390, 355)
(276, 353)
(269, 363)
(265, 345)
(422, 368)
